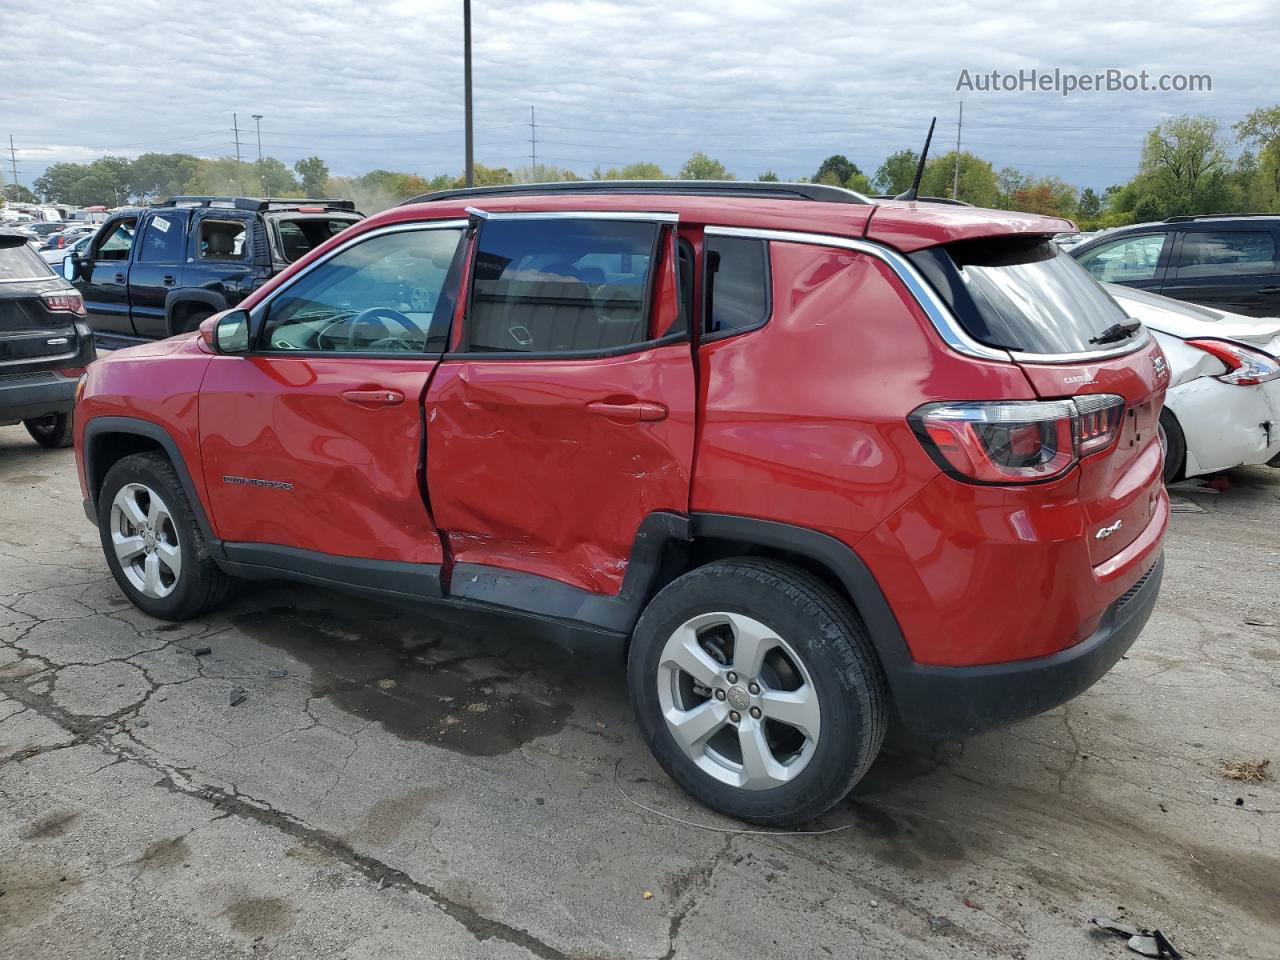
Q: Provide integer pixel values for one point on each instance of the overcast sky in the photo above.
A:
(758, 85)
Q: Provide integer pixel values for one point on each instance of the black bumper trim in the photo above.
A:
(28, 400)
(959, 701)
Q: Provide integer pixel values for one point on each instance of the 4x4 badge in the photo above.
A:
(1108, 531)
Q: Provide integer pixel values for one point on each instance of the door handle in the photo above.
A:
(633, 411)
(120, 278)
(373, 398)
(1269, 291)
(169, 281)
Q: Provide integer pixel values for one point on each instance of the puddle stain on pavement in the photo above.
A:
(390, 670)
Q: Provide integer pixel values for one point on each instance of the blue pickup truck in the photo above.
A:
(156, 271)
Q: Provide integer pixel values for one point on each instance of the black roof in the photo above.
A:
(702, 188)
(256, 204)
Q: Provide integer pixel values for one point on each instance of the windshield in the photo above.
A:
(19, 262)
(1025, 294)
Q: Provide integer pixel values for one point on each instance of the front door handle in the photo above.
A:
(373, 398)
(1269, 291)
(632, 411)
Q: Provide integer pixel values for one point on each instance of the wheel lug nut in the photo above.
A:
(734, 716)
(755, 712)
(719, 694)
(732, 677)
(753, 687)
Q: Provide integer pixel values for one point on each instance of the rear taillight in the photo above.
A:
(1245, 367)
(64, 303)
(1021, 441)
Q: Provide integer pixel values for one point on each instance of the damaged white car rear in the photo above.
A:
(1222, 409)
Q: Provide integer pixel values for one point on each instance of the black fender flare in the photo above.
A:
(99, 427)
(216, 303)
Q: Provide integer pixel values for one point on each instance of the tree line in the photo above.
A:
(1188, 164)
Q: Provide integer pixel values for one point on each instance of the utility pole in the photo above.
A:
(257, 122)
(533, 145)
(13, 160)
(235, 126)
(955, 181)
(470, 174)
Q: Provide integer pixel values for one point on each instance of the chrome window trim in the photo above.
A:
(944, 321)
(258, 313)
(939, 314)
(656, 216)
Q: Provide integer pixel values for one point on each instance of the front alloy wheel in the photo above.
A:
(738, 700)
(145, 541)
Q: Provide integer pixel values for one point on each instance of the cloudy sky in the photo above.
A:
(758, 85)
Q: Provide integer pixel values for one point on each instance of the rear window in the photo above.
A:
(1023, 294)
(19, 262)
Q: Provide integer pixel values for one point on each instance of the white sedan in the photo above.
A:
(1222, 409)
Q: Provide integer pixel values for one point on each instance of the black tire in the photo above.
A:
(1175, 447)
(201, 585)
(822, 629)
(55, 430)
(191, 321)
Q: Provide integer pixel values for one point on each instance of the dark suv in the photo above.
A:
(807, 461)
(44, 344)
(1227, 261)
(193, 257)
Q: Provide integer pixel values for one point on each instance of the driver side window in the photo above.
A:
(388, 294)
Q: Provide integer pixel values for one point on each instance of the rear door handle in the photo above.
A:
(1269, 291)
(373, 398)
(632, 411)
(120, 278)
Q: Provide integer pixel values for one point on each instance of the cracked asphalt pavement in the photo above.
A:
(395, 785)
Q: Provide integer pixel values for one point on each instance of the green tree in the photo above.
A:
(219, 177)
(767, 177)
(1183, 165)
(1090, 205)
(55, 184)
(859, 182)
(836, 170)
(702, 167)
(896, 173)
(314, 176)
(19, 194)
(977, 179)
(155, 175)
(274, 178)
(1261, 129)
(632, 171)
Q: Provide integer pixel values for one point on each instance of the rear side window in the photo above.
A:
(560, 285)
(1227, 254)
(19, 262)
(1023, 294)
(736, 284)
(164, 240)
(221, 240)
(300, 237)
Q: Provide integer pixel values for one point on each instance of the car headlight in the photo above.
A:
(1245, 367)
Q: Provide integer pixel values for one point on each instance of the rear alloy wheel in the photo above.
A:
(153, 543)
(757, 690)
(53, 430)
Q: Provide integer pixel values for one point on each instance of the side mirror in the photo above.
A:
(70, 267)
(228, 332)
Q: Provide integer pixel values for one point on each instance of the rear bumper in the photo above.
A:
(959, 701)
(27, 396)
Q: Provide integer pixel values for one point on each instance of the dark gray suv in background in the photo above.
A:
(45, 343)
(1227, 261)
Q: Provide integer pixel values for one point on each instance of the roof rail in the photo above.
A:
(947, 200)
(1187, 218)
(256, 204)
(698, 188)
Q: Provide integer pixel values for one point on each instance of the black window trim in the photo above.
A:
(101, 235)
(258, 315)
(662, 220)
(708, 289)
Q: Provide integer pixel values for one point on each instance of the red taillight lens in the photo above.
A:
(64, 303)
(1245, 367)
(1017, 441)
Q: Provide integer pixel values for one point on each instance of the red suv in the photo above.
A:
(810, 463)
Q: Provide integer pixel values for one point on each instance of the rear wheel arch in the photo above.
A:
(108, 440)
(1174, 442)
(185, 308)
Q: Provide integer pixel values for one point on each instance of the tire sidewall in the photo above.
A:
(1175, 454)
(60, 436)
(843, 732)
(145, 471)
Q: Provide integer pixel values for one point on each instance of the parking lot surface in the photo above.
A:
(393, 785)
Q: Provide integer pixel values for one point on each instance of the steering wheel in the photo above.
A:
(381, 314)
